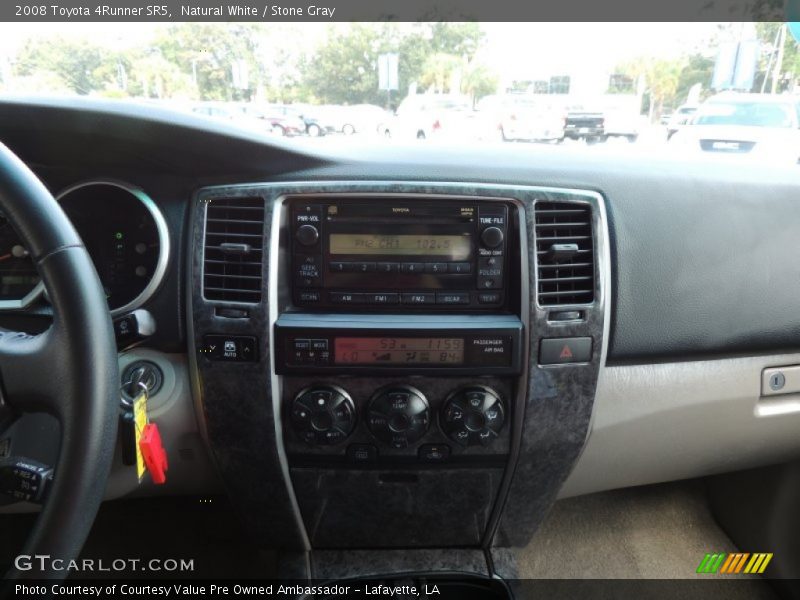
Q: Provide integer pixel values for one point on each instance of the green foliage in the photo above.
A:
(202, 61)
(479, 81)
(697, 69)
(79, 65)
(343, 69)
(207, 52)
(767, 34)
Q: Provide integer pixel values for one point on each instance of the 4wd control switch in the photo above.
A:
(398, 416)
(473, 415)
(323, 415)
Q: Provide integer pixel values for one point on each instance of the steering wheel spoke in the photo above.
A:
(29, 373)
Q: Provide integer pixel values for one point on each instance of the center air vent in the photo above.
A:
(234, 249)
(564, 253)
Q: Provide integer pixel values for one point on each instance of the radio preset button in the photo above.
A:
(388, 267)
(419, 298)
(452, 298)
(459, 268)
(363, 267)
(346, 298)
(307, 235)
(382, 298)
(415, 268)
(339, 267)
(436, 268)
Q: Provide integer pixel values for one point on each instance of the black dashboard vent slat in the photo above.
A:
(234, 223)
(564, 278)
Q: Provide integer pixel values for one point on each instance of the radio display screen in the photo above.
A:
(457, 247)
(398, 351)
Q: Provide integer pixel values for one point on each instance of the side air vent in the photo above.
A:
(234, 250)
(565, 253)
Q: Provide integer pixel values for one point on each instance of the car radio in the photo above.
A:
(360, 252)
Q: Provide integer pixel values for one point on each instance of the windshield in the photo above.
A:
(622, 88)
(751, 114)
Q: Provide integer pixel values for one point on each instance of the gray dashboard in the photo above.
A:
(702, 253)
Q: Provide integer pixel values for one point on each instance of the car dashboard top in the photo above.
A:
(669, 220)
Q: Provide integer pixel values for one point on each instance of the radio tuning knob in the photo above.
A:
(492, 237)
(307, 235)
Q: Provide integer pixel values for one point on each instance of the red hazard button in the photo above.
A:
(558, 351)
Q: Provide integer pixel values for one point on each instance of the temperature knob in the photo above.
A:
(323, 415)
(473, 415)
(398, 416)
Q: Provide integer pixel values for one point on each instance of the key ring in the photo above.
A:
(127, 402)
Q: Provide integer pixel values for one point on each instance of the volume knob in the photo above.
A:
(307, 235)
(492, 237)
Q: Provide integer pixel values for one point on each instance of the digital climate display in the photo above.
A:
(398, 351)
(457, 247)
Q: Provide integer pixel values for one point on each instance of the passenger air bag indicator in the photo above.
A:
(489, 350)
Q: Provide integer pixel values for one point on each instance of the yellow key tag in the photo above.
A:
(140, 420)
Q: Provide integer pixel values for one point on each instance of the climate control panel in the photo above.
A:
(361, 421)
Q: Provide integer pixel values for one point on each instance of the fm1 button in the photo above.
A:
(434, 453)
(560, 351)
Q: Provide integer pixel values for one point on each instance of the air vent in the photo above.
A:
(565, 253)
(234, 248)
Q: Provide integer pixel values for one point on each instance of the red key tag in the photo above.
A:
(155, 457)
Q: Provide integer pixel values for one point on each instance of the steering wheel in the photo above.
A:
(69, 371)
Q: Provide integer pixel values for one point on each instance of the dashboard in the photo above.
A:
(419, 346)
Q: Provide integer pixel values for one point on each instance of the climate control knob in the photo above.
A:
(473, 415)
(323, 415)
(398, 416)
